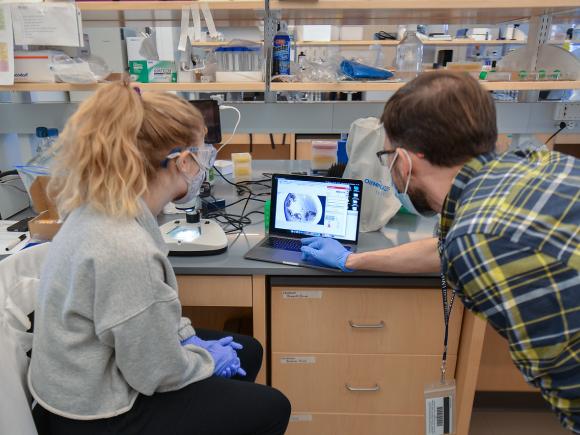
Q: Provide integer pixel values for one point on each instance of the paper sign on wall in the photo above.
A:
(47, 24)
(6, 47)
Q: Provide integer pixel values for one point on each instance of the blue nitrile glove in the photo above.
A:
(235, 367)
(223, 352)
(233, 370)
(325, 250)
(196, 341)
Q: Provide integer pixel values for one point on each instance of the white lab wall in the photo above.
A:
(15, 149)
(106, 43)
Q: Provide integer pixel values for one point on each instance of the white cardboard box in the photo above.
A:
(34, 66)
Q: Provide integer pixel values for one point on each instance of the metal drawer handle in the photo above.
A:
(379, 325)
(363, 389)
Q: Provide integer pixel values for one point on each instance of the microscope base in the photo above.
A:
(199, 239)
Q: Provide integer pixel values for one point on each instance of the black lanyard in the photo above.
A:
(447, 307)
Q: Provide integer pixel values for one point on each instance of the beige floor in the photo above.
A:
(484, 422)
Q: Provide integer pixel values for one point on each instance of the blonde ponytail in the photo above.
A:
(113, 145)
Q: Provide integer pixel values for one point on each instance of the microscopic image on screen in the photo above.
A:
(302, 208)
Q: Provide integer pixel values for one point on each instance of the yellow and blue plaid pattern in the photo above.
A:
(511, 232)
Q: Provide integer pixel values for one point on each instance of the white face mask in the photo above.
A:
(404, 197)
(204, 158)
(193, 188)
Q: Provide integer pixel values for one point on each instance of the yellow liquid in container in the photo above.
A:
(323, 154)
(242, 166)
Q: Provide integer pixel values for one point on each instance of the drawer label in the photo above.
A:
(302, 294)
(298, 360)
(300, 417)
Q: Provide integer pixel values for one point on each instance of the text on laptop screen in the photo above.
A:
(318, 208)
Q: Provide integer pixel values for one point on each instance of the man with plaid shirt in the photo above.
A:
(509, 231)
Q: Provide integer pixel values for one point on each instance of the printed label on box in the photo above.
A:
(298, 360)
(302, 294)
(300, 417)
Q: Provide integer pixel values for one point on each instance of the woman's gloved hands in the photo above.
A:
(223, 352)
(326, 251)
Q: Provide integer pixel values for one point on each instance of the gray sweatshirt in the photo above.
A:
(108, 320)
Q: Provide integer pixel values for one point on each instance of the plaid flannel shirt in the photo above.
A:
(510, 230)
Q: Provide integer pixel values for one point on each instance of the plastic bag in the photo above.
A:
(322, 70)
(37, 166)
(359, 71)
(29, 173)
(379, 203)
(79, 71)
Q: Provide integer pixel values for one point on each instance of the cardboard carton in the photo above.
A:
(47, 223)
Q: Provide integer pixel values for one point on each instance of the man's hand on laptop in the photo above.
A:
(325, 250)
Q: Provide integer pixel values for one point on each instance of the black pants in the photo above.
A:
(214, 406)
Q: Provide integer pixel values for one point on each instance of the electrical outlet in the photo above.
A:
(571, 125)
(567, 112)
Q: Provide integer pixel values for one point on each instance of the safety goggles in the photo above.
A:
(204, 156)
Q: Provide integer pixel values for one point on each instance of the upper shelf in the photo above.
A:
(394, 43)
(167, 5)
(362, 43)
(223, 11)
(182, 87)
(393, 86)
(288, 87)
(422, 11)
(340, 11)
(468, 41)
(346, 43)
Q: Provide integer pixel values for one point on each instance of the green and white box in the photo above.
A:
(153, 71)
(148, 71)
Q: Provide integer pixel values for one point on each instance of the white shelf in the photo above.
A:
(183, 87)
(469, 41)
(361, 43)
(393, 86)
(423, 11)
(225, 12)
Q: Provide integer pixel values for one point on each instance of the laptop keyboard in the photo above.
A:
(285, 244)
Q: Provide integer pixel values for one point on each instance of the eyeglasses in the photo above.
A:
(384, 156)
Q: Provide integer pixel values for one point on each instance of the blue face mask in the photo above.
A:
(404, 197)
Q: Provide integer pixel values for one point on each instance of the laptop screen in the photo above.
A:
(316, 206)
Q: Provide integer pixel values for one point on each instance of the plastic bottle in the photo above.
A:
(52, 137)
(41, 138)
(301, 58)
(281, 52)
(42, 143)
(409, 60)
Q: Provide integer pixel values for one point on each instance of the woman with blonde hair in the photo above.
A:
(111, 352)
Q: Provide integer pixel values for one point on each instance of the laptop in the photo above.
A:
(304, 206)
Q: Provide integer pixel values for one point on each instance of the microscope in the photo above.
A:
(193, 235)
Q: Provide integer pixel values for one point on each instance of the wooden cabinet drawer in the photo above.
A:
(361, 320)
(215, 291)
(497, 371)
(355, 424)
(321, 382)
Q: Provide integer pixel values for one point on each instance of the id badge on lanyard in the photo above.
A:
(440, 396)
